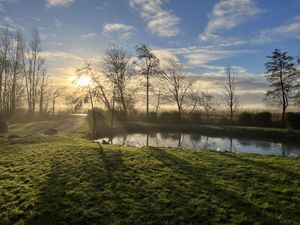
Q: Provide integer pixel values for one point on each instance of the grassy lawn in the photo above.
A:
(65, 179)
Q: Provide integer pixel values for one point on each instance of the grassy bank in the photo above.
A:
(65, 179)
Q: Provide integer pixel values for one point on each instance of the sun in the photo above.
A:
(83, 81)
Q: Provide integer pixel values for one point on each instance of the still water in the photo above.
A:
(195, 141)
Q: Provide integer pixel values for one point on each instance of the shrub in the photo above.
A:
(3, 126)
(293, 120)
(153, 116)
(263, 119)
(224, 121)
(245, 118)
(170, 117)
(196, 117)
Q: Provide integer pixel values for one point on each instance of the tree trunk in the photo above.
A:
(283, 116)
(147, 98)
(53, 107)
(231, 116)
(113, 109)
(93, 114)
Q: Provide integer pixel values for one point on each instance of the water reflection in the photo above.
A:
(181, 140)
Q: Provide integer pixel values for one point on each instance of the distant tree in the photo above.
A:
(12, 49)
(117, 67)
(73, 101)
(229, 90)
(158, 102)
(5, 51)
(208, 103)
(56, 92)
(282, 74)
(35, 73)
(195, 98)
(87, 93)
(149, 67)
(177, 82)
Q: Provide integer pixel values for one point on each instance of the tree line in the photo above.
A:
(121, 81)
(24, 82)
(118, 78)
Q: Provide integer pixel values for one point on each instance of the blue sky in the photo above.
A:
(205, 35)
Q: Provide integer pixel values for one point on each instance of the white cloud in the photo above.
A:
(160, 21)
(58, 55)
(228, 14)
(164, 55)
(288, 30)
(121, 29)
(88, 35)
(54, 3)
(199, 56)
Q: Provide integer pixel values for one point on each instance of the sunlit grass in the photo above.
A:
(64, 179)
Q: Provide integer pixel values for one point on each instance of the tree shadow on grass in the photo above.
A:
(264, 165)
(111, 185)
(238, 210)
(80, 189)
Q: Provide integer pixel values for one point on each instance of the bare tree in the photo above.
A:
(11, 68)
(282, 74)
(177, 82)
(56, 92)
(117, 67)
(158, 100)
(229, 90)
(42, 91)
(101, 86)
(149, 67)
(208, 104)
(35, 74)
(195, 98)
(17, 71)
(87, 92)
(6, 46)
(73, 101)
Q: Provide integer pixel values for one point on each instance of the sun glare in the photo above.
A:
(83, 81)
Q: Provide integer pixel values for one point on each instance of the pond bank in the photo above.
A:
(210, 130)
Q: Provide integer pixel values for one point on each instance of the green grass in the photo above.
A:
(34, 127)
(65, 179)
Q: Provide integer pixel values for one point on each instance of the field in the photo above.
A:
(66, 179)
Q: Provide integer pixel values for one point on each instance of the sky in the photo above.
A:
(204, 35)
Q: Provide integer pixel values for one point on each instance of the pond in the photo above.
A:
(195, 141)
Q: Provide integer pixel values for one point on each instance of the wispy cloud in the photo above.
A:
(199, 56)
(10, 23)
(58, 55)
(288, 30)
(123, 30)
(88, 35)
(1, 7)
(228, 14)
(56, 3)
(160, 21)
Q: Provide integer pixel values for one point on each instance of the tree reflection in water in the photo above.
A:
(195, 141)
